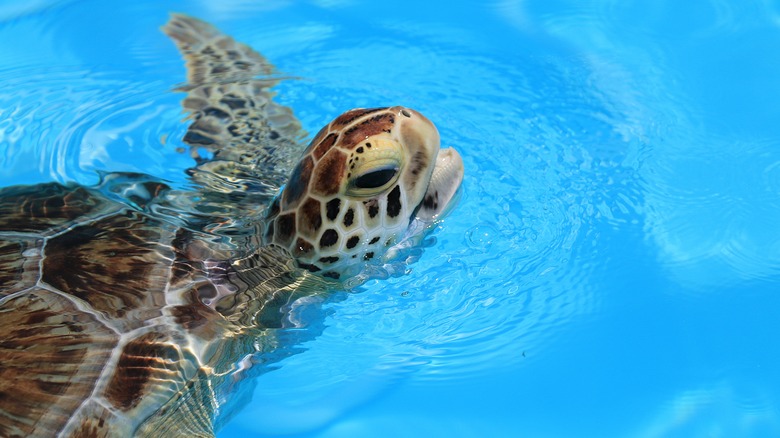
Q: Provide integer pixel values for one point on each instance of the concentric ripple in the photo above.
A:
(70, 124)
(716, 223)
(622, 174)
(547, 168)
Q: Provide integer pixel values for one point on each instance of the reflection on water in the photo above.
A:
(713, 213)
(713, 409)
(687, 98)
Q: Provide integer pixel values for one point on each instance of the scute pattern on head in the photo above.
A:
(348, 117)
(310, 219)
(352, 136)
(355, 190)
(329, 173)
(301, 174)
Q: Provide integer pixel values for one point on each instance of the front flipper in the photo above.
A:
(254, 141)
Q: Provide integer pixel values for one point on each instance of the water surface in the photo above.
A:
(613, 267)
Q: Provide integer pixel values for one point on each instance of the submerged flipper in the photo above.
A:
(254, 141)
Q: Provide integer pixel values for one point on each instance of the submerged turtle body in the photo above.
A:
(108, 313)
(87, 333)
(117, 320)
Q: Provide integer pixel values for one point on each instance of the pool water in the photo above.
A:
(613, 267)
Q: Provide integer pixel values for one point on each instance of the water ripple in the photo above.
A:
(73, 123)
(710, 196)
(547, 166)
(713, 210)
(725, 406)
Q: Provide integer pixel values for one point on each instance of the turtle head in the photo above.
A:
(370, 179)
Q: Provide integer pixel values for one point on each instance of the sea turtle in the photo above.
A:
(123, 314)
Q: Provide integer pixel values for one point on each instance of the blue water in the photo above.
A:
(613, 268)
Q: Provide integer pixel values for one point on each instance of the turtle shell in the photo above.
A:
(112, 317)
(103, 311)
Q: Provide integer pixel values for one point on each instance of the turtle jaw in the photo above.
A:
(443, 187)
(441, 196)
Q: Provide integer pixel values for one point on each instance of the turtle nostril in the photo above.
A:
(406, 113)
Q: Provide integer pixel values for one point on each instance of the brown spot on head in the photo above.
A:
(332, 207)
(422, 141)
(349, 217)
(352, 115)
(329, 238)
(355, 135)
(216, 112)
(419, 162)
(324, 146)
(431, 201)
(372, 207)
(285, 228)
(353, 241)
(309, 267)
(394, 202)
(299, 182)
(329, 173)
(309, 218)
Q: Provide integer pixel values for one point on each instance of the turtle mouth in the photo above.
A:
(440, 198)
(443, 188)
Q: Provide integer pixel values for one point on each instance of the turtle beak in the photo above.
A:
(440, 197)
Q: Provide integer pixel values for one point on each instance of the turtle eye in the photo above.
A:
(375, 178)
